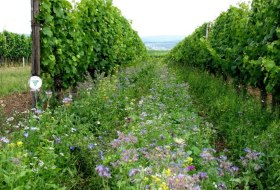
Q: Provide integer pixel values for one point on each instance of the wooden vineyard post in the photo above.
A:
(35, 44)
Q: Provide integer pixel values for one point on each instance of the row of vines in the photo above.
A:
(14, 47)
(88, 37)
(243, 43)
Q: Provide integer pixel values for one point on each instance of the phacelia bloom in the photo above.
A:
(191, 168)
(222, 186)
(38, 112)
(202, 175)
(66, 101)
(133, 172)
(25, 134)
(103, 171)
(58, 140)
(91, 146)
(234, 169)
(122, 138)
(128, 120)
(252, 155)
(72, 148)
(207, 155)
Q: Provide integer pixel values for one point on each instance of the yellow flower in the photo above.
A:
(190, 160)
(146, 179)
(167, 172)
(12, 145)
(179, 141)
(163, 186)
(19, 143)
(155, 179)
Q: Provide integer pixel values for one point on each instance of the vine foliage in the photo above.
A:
(243, 44)
(91, 36)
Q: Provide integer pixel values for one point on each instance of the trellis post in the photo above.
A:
(35, 44)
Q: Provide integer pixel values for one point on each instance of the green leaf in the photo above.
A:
(47, 31)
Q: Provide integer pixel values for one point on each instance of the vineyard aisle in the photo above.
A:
(136, 130)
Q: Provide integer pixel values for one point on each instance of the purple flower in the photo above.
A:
(128, 120)
(67, 101)
(38, 112)
(25, 134)
(58, 140)
(133, 172)
(234, 169)
(191, 168)
(91, 146)
(103, 171)
(4, 140)
(72, 148)
(101, 155)
(202, 175)
(222, 186)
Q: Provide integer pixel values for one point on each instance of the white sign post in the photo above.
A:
(35, 83)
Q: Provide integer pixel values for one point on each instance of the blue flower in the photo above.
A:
(25, 134)
(103, 171)
(133, 172)
(91, 146)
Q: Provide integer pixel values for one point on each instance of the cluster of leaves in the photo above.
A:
(91, 36)
(14, 46)
(243, 43)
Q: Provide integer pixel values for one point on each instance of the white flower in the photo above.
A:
(10, 119)
(179, 141)
(41, 163)
(4, 140)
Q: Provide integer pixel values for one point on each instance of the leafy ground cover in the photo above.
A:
(138, 129)
(240, 122)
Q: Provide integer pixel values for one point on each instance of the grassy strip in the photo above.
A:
(240, 123)
(136, 130)
(157, 53)
(14, 79)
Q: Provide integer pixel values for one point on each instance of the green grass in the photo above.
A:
(240, 122)
(14, 79)
(157, 53)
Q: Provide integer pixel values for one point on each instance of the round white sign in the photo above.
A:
(35, 83)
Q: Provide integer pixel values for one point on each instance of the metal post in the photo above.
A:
(35, 44)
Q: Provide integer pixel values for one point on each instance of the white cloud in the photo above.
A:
(15, 16)
(150, 17)
(171, 17)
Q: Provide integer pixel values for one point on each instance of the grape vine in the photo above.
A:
(91, 36)
(243, 43)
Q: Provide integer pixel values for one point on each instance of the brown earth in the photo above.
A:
(19, 102)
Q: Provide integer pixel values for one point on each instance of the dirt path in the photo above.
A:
(16, 102)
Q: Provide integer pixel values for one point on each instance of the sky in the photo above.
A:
(149, 17)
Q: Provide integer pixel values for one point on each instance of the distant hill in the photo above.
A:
(161, 42)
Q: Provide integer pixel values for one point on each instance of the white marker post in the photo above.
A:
(35, 83)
